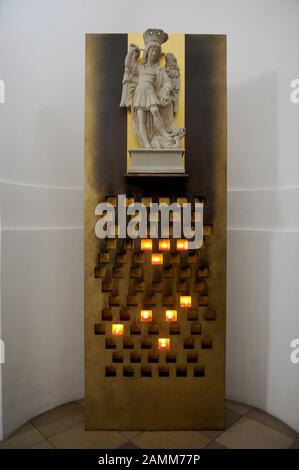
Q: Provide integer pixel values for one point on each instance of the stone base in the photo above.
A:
(152, 161)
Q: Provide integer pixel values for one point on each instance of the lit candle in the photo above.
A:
(157, 258)
(164, 343)
(117, 329)
(182, 245)
(146, 315)
(164, 245)
(171, 315)
(146, 244)
(185, 301)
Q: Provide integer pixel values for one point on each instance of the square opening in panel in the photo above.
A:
(171, 315)
(157, 286)
(135, 329)
(153, 329)
(128, 371)
(167, 301)
(110, 371)
(192, 314)
(107, 314)
(157, 259)
(135, 272)
(121, 258)
(189, 343)
(153, 358)
(203, 300)
(118, 357)
(132, 300)
(118, 273)
(196, 328)
(146, 343)
(185, 301)
(124, 314)
(146, 371)
(128, 244)
(146, 315)
(167, 272)
(117, 329)
(128, 343)
(170, 357)
(104, 258)
(192, 356)
(135, 357)
(181, 371)
(206, 343)
(182, 245)
(174, 329)
(106, 286)
(164, 244)
(163, 371)
(110, 244)
(114, 300)
(139, 286)
(110, 343)
(146, 244)
(210, 314)
(164, 344)
(99, 329)
(199, 371)
(99, 272)
(139, 258)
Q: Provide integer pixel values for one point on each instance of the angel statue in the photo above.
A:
(152, 91)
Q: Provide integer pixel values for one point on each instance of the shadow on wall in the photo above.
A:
(252, 164)
(253, 133)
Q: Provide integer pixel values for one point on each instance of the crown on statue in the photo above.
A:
(155, 35)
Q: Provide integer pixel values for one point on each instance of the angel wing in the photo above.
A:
(129, 81)
(173, 72)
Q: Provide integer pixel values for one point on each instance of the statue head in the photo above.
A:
(153, 39)
(152, 53)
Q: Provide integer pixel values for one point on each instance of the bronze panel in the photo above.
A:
(130, 384)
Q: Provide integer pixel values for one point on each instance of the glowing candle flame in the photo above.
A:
(117, 329)
(171, 315)
(146, 244)
(164, 245)
(157, 258)
(164, 343)
(182, 245)
(146, 315)
(185, 301)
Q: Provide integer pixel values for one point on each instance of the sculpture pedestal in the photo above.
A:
(152, 161)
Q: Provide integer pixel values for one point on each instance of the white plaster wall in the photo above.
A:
(41, 181)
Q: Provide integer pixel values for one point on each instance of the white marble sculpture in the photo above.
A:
(152, 91)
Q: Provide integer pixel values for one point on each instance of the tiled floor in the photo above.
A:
(63, 428)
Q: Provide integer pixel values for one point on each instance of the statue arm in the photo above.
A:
(132, 56)
(129, 78)
(166, 89)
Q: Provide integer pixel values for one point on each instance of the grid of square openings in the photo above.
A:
(155, 305)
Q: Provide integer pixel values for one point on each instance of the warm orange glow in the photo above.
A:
(171, 315)
(157, 258)
(146, 244)
(182, 245)
(185, 301)
(117, 329)
(146, 315)
(164, 343)
(164, 245)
